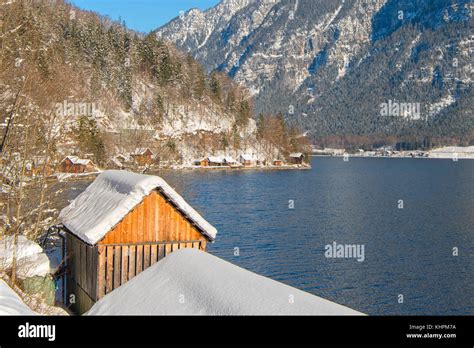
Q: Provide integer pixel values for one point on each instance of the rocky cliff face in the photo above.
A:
(333, 66)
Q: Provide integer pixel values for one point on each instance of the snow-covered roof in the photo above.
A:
(296, 155)
(11, 303)
(77, 160)
(228, 159)
(122, 157)
(192, 282)
(247, 157)
(112, 195)
(141, 151)
(116, 162)
(215, 159)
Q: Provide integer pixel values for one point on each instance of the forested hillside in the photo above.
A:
(73, 82)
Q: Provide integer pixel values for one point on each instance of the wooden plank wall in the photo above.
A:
(82, 273)
(119, 263)
(153, 220)
(82, 301)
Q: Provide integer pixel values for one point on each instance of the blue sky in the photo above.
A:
(143, 15)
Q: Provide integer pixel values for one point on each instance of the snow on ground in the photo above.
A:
(184, 120)
(65, 176)
(333, 17)
(11, 303)
(452, 152)
(191, 282)
(111, 197)
(436, 108)
(31, 261)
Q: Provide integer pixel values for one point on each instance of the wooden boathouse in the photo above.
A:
(119, 226)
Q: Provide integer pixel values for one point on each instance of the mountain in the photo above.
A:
(101, 89)
(354, 71)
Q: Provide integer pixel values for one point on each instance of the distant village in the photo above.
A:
(145, 160)
(448, 152)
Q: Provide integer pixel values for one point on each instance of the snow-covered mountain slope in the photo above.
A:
(194, 28)
(329, 65)
(104, 89)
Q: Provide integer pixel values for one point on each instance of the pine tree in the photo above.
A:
(199, 83)
(244, 113)
(215, 86)
(90, 139)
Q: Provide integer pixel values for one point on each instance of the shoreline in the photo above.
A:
(153, 171)
(397, 157)
(69, 177)
(238, 168)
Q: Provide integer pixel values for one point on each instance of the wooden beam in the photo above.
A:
(117, 264)
(101, 272)
(110, 269)
(131, 265)
(139, 261)
(124, 265)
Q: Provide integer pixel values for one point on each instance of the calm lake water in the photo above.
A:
(408, 251)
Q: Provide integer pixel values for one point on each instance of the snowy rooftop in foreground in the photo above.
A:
(111, 197)
(191, 282)
(10, 302)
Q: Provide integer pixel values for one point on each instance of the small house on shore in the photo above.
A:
(123, 159)
(277, 163)
(216, 161)
(114, 163)
(247, 160)
(74, 164)
(204, 162)
(37, 166)
(230, 161)
(119, 226)
(119, 162)
(143, 156)
(212, 161)
(296, 158)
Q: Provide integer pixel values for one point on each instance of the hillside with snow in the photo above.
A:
(99, 89)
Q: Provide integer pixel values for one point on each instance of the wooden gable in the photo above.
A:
(147, 152)
(155, 219)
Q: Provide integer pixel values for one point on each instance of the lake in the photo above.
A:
(409, 264)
